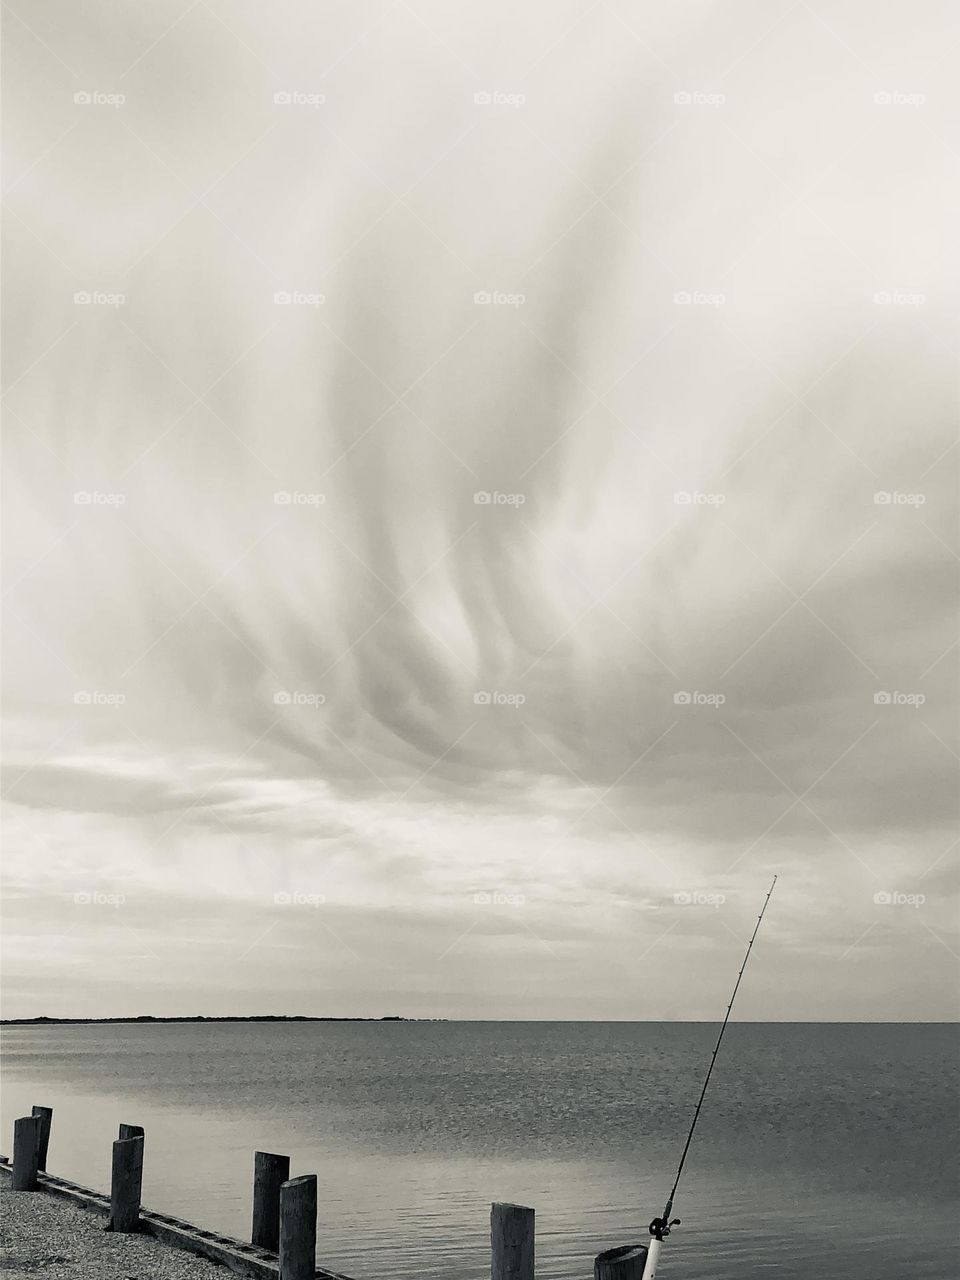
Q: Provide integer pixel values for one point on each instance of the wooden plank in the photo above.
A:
(26, 1152)
(298, 1228)
(46, 1118)
(126, 1180)
(511, 1242)
(270, 1172)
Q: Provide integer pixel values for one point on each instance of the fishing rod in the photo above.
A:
(660, 1227)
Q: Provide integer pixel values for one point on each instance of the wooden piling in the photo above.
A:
(125, 1184)
(270, 1172)
(511, 1242)
(45, 1115)
(130, 1131)
(26, 1152)
(625, 1263)
(298, 1228)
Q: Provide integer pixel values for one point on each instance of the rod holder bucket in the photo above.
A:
(624, 1263)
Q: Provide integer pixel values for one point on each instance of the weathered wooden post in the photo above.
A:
(270, 1172)
(625, 1263)
(130, 1131)
(298, 1228)
(126, 1179)
(511, 1242)
(45, 1115)
(26, 1152)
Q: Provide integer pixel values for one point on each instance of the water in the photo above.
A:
(824, 1150)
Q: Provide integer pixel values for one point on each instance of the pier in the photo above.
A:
(283, 1237)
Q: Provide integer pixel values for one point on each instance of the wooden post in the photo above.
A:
(625, 1263)
(45, 1115)
(125, 1183)
(26, 1152)
(270, 1172)
(298, 1228)
(130, 1131)
(511, 1242)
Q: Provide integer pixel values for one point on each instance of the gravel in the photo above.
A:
(46, 1238)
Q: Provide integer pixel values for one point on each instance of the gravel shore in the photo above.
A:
(46, 1238)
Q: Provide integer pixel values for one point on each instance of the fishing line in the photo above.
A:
(660, 1227)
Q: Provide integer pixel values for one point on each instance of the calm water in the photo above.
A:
(823, 1151)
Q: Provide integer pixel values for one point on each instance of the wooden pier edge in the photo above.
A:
(240, 1258)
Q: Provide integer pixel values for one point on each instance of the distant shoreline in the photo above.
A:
(200, 1017)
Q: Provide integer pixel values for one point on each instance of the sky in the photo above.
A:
(480, 500)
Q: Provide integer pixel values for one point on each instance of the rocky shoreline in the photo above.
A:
(43, 1236)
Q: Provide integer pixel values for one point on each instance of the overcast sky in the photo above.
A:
(390, 649)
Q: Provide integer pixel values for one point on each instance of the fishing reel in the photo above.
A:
(660, 1227)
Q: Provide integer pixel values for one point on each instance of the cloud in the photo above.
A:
(594, 596)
